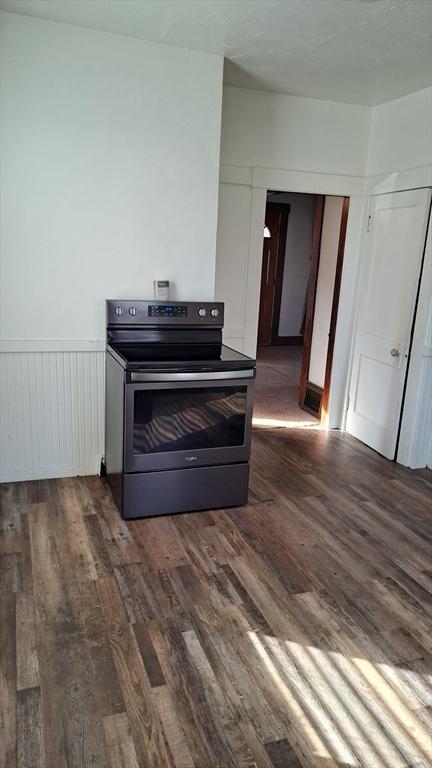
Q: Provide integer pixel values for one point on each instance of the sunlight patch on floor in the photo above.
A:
(282, 423)
(409, 723)
(351, 710)
(294, 707)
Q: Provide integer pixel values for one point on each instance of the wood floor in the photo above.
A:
(293, 632)
(277, 386)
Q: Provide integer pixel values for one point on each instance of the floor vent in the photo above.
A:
(312, 398)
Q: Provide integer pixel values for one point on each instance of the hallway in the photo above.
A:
(277, 385)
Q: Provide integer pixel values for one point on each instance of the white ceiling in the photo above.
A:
(357, 51)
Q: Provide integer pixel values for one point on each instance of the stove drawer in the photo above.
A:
(185, 490)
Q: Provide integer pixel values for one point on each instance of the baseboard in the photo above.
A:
(288, 341)
(19, 474)
(52, 345)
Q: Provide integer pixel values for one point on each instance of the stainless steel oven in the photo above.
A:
(178, 409)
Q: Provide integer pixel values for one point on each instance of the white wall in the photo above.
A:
(297, 263)
(231, 269)
(110, 170)
(270, 130)
(400, 137)
(325, 287)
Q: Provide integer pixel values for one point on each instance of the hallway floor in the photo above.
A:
(277, 385)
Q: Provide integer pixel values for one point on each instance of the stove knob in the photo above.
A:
(118, 311)
(202, 311)
(214, 312)
(132, 311)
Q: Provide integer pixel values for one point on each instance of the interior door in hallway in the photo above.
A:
(272, 242)
(392, 263)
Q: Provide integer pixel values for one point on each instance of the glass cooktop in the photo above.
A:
(175, 356)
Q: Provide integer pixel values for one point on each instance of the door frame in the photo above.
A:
(335, 307)
(320, 395)
(310, 304)
(257, 181)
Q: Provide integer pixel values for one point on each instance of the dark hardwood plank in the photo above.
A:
(183, 706)
(282, 754)
(71, 720)
(119, 741)
(174, 733)
(150, 744)
(29, 724)
(27, 665)
(148, 655)
(8, 696)
(98, 547)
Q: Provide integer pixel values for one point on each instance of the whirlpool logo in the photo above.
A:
(191, 458)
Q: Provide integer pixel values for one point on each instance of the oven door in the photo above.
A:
(187, 419)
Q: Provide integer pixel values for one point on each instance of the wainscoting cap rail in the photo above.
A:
(52, 345)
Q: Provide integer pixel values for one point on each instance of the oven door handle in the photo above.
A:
(195, 376)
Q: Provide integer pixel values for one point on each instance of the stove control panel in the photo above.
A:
(168, 310)
(122, 312)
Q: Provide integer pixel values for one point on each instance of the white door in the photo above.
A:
(393, 255)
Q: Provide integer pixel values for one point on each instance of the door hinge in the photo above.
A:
(369, 223)
(348, 403)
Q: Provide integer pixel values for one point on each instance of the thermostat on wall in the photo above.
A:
(161, 289)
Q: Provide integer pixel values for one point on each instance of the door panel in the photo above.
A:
(393, 255)
(268, 277)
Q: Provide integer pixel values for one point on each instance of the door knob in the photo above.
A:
(395, 352)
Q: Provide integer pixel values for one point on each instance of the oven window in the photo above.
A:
(189, 419)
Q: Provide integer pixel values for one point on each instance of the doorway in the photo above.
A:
(303, 245)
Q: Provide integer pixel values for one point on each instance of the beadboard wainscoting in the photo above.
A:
(51, 409)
